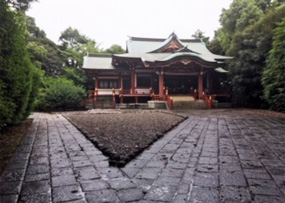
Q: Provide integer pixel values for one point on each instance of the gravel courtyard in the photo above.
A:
(122, 135)
(213, 156)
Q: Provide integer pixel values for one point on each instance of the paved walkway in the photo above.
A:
(226, 158)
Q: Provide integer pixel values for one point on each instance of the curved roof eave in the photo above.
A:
(219, 57)
(127, 55)
(176, 55)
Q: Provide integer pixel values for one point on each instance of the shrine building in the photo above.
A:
(155, 70)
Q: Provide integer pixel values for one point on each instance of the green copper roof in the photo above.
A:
(149, 50)
(170, 39)
(98, 61)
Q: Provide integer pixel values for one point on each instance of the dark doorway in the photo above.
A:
(126, 84)
(180, 85)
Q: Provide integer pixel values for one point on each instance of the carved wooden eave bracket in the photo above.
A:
(181, 61)
(124, 62)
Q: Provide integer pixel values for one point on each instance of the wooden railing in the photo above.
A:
(207, 99)
(114, 96)
(93, 95)
(169, 101)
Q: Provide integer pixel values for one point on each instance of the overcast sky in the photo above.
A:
(112, 21)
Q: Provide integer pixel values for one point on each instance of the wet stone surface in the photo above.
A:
(213, 156)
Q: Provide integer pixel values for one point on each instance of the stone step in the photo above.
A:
(199, 104)
(105, 105)
(133, 106)
(182, 98)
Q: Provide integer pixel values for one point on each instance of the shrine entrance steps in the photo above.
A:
(188, 102)
(133, 106)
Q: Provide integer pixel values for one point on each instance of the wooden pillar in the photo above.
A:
(95, 91)
(120, 81)
(132, 82)
(209, 82)
(200, 85)
(161, 85)
(121, 95)
(96, 82)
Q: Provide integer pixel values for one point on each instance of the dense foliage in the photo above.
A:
(250, 49)
(240, 15)
(19, 78)
(247, 35)
(77, 75)
(274, 73)
(60, 94)
(200, 35)
(61, 61)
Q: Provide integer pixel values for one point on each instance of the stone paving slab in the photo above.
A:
(207, 158)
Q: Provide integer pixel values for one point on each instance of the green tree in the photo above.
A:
(240, 15)
(34, 31)
(75, 45)
(115, 49)
(200, 35)
(44, 52)
(250, 49)
(18, 76)
(274, 74)
(71, 38)
(53, 62)
(215, 46)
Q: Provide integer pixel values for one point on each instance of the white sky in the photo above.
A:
(112, 21)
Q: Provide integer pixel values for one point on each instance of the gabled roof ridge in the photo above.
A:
(160, 39)
(172, 37)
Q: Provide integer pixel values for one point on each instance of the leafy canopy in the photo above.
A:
(75, 45)
(239, 16)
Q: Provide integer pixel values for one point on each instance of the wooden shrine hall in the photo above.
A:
(154, 69)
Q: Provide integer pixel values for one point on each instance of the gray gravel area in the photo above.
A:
(123, 135)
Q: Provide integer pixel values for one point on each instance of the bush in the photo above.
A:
(60, 94)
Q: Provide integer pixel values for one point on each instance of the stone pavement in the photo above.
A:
(210, 158)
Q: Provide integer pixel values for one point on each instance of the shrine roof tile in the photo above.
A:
(98, 61)
(148, 50)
